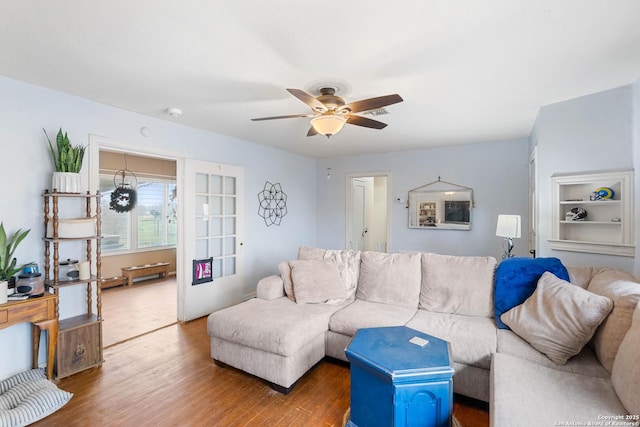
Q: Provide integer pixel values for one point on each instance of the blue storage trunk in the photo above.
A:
(397, 383)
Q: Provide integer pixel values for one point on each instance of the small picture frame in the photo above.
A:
(202, 271)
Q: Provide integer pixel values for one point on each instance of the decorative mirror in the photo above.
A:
(440, 205)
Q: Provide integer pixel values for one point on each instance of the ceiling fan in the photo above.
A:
(330, 112)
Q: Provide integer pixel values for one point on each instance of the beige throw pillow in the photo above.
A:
(316, 281)
(559, 318)
(285, 274)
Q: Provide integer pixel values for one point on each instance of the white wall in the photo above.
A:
(636, 164)
(26, 169)
(497, 172)
(589, 133)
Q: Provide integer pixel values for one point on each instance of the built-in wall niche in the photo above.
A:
(440, 205)
(585, 221)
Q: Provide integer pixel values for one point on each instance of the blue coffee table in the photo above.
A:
(395, 382)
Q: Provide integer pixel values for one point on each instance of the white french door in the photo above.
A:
(213, 218)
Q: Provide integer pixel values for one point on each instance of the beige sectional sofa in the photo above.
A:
(301, 316)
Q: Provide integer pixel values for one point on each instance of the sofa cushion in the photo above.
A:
(274, 326)
(317, 282)
(625, 376)
(307, 253)
(516, 279)
(365, 314)
(473, 339)
(559, 318)
(526, 394)
(584, 363)
(457, 284)
(624, 291)
(580, 276)
(390, 278)
(348, 263)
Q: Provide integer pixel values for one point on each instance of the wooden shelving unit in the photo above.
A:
(79, 337)
(608, 228)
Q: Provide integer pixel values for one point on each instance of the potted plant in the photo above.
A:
(8, 264)
(67, 161)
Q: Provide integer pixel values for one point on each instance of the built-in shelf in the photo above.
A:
(608, 228)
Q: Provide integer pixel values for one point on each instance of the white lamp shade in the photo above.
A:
(508, 226)
(328, 124)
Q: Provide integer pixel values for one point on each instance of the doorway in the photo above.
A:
(142, 233)
(368, 211)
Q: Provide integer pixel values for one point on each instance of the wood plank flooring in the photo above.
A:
(130, 311)
(167, 378)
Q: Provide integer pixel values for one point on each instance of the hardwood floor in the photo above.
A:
(167, 378)
(130, 311)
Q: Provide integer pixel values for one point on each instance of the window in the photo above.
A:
(150, 224)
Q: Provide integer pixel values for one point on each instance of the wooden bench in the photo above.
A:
(159, 268)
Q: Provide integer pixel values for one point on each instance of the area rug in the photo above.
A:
(345, 419)
(28, 397)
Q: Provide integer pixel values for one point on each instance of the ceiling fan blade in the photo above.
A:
(372, 103)
(312, 131)
(365, 122)
(308, 99)
(291, 116)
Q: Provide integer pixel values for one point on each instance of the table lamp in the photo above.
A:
(509, 228)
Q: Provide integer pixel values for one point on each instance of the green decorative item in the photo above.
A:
(68, 158)
(8, 264)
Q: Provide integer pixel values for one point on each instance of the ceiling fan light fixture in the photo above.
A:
(328, 124)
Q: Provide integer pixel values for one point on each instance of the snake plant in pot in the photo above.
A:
(8, 263)
(67, 161)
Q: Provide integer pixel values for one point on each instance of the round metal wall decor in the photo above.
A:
(273, 204)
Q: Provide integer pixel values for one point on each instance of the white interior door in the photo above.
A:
(359, 215)
(213, 218)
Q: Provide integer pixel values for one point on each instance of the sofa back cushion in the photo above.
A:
(457, 284)
(348, 262)
(624, 291)
(390, 278)
(625, 376)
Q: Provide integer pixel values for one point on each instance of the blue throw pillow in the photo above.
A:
(517, 278)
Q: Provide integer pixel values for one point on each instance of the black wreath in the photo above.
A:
(123, 199)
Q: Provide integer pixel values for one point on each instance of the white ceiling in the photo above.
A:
(469, 71)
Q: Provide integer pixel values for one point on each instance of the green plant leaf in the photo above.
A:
(56, 164)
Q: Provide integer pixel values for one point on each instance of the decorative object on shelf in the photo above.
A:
(124, 197)
(8, 264)
(509, 227)
(67, 161)
(576, 214)
(273, 203)
(84, 270)
(602, 193)
(73, 228)
(202, 271)
(31, 284)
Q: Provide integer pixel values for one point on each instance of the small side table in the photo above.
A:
(42, 313)
(397, 383)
